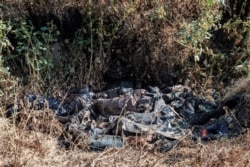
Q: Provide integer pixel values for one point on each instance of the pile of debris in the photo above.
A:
(156, 119)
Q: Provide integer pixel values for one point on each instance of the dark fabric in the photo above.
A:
(38, 103)
(104, 117)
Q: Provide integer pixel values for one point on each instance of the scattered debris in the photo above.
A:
(120, 116)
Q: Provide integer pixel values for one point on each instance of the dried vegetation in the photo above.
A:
(156, 42)
(22, 147)
(150, 42)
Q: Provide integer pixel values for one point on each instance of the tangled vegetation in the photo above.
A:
(157, 43)
(48, 47)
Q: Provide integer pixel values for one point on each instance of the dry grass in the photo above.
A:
(32, 140)
(143, 39)
(21, 147)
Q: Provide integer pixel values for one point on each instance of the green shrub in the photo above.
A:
(34, 46)
(5, 47)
